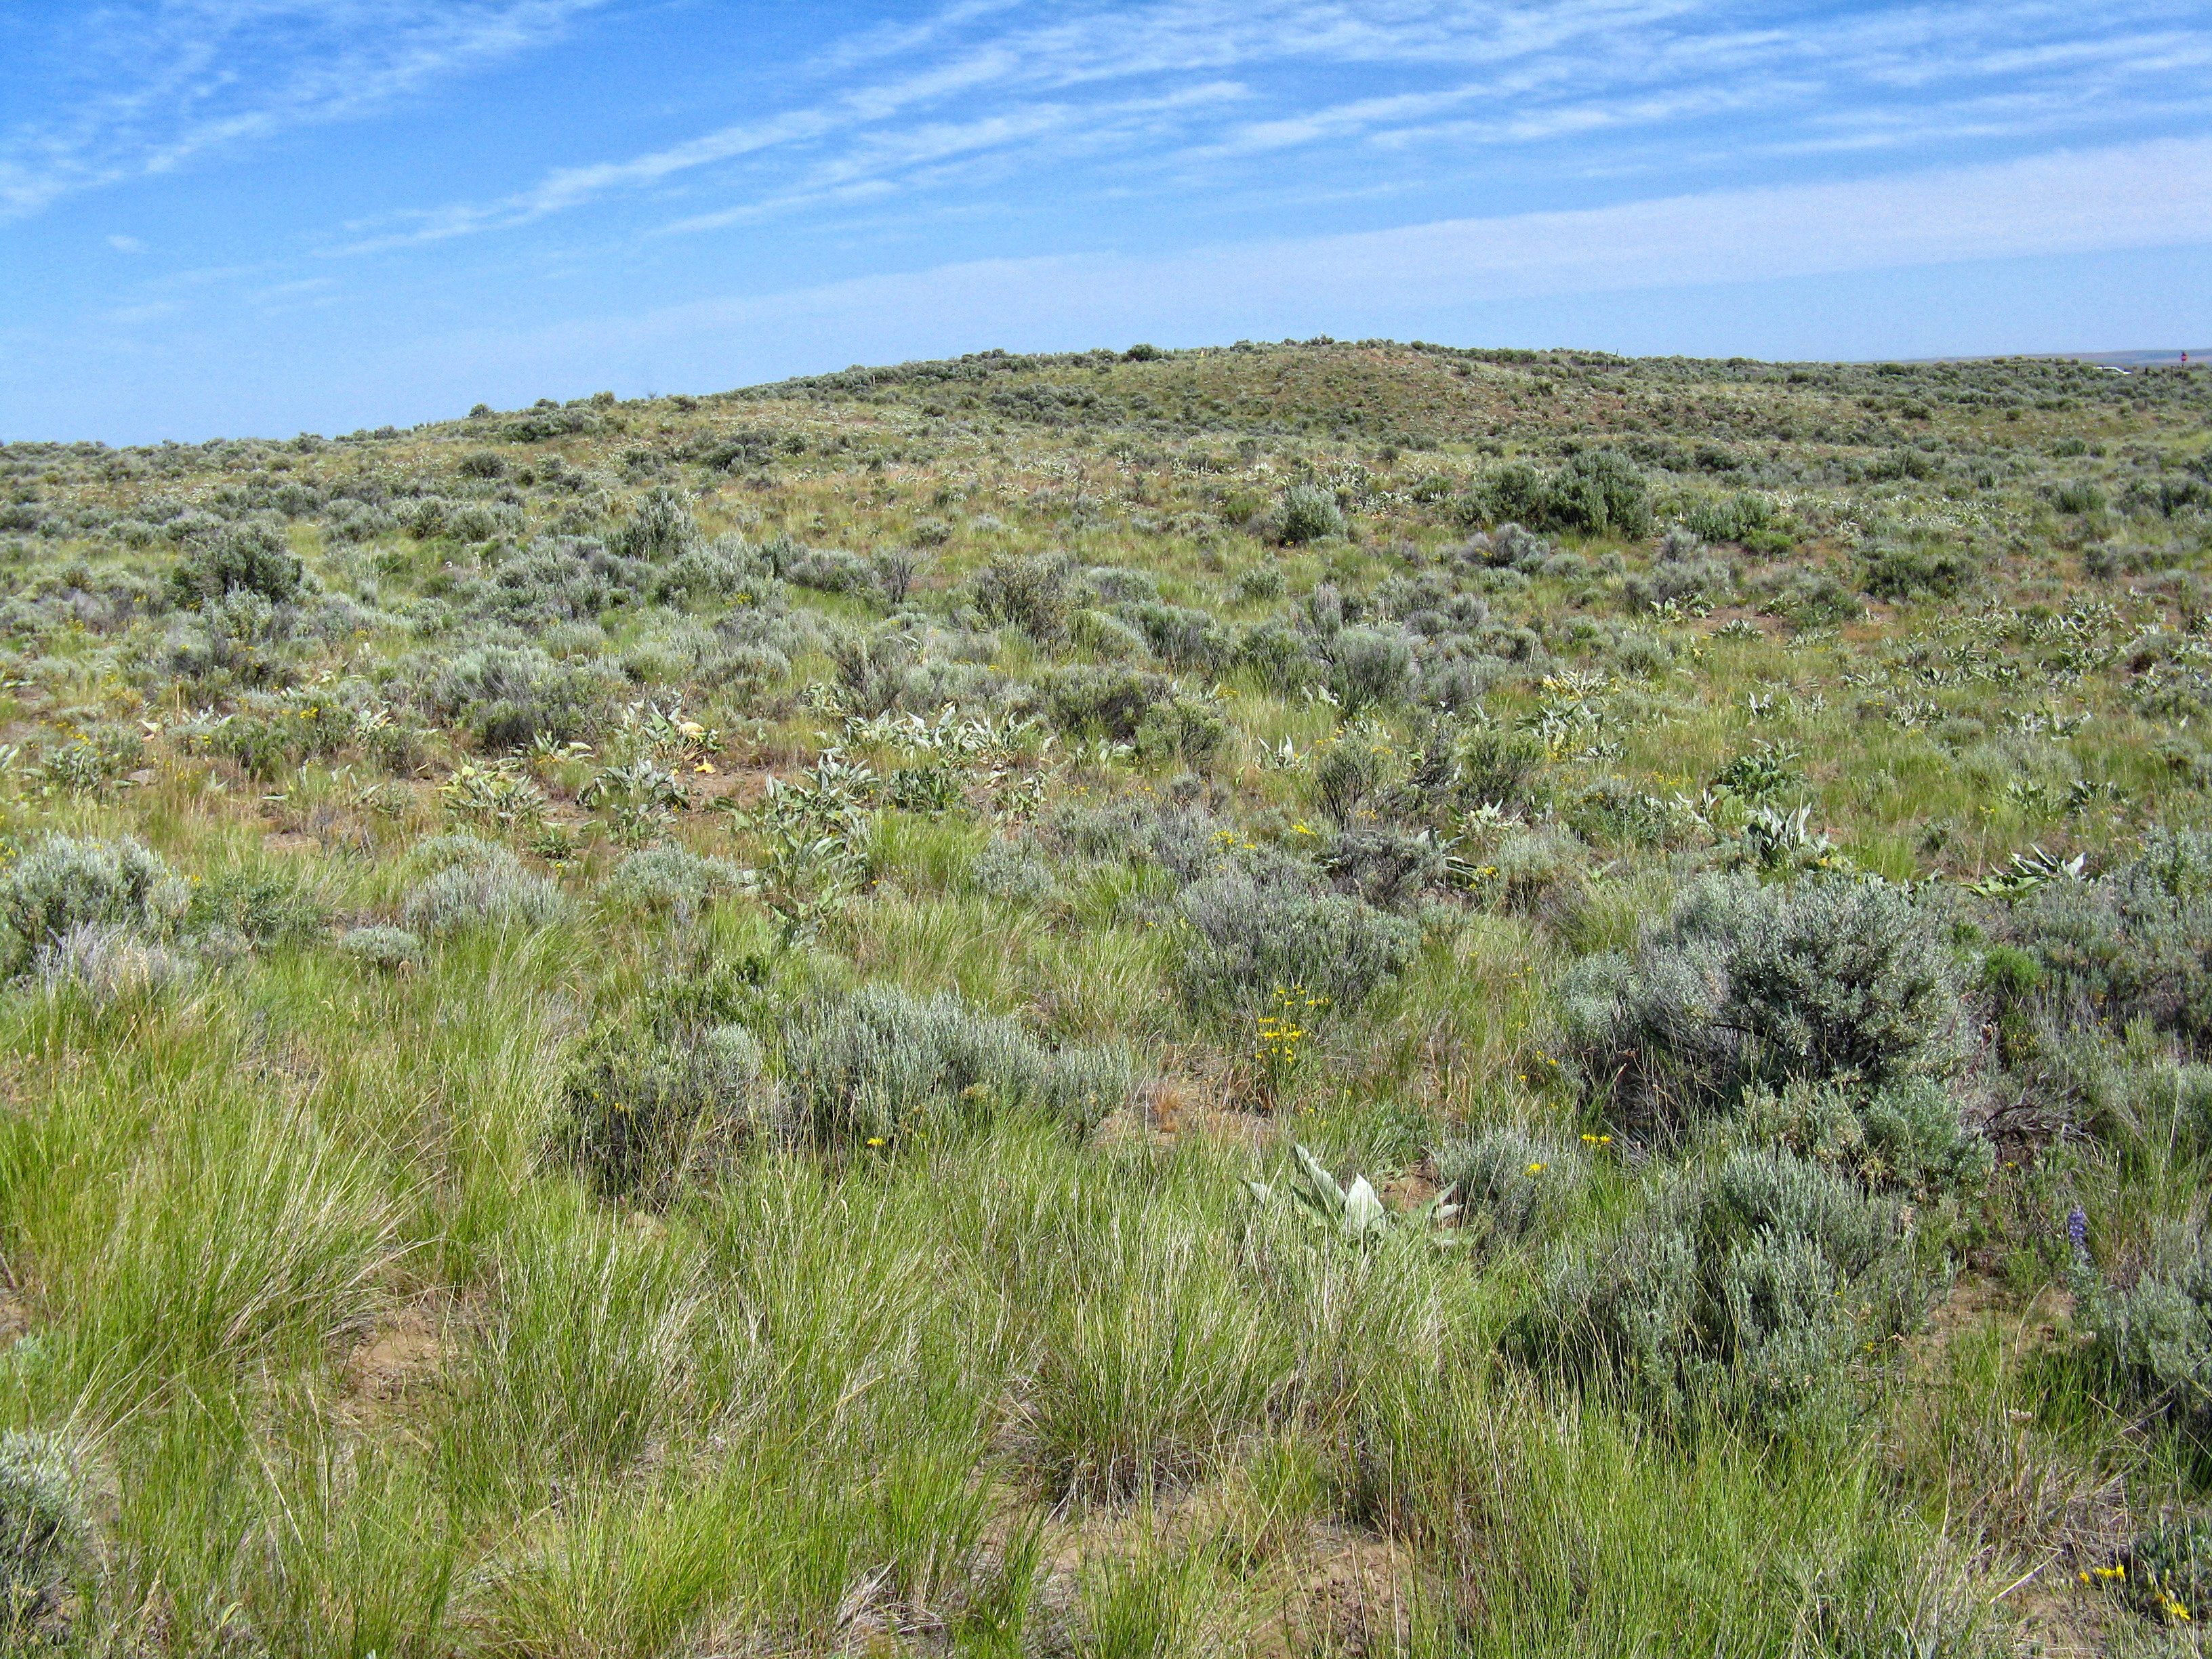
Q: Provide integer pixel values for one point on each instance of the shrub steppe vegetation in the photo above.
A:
(1313, 997)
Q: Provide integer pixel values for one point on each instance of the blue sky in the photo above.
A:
(225, 217)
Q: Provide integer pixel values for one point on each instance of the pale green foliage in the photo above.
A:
(1511, 1185)
(485, 886)
(1741, 1291)
(45, 1533)
(106, 962)
(1309, 512)
(2152, 1332)
(1243, 939)
(65, 883)
(1907, 1137)
(1354, 1214)
(1822, 980)
(884, 1064)
(388, 948)
(671, 881)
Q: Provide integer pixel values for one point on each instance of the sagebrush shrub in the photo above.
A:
(671, 881)
(250, 558)
(661, 527)
(1369, 668)
(485, 886)
(1243, 940)
(260, 906)
(45, 1533)
(506, 697)
(1351, 774)
(108, 962)
(1741, 1291)
(644, 1106)
(1388, 866)
(65, 883)
(1016, 870)
(1186, 729)
(1030, 592)
(2135, 944)
(1598, 492)
(1821, 980)
(1539, 873)
(1908, 1137)
(1511, 1185)
(388, 948)
(884, 1064)
(2151, 1332)
(1309, 512)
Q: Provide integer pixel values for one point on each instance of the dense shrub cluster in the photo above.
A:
(1245, 939)
(250, 559)
(2152, 1328)
(1741, 1290)
(1596, 493)
(1822, 981)
(64, 884)
(480, 884)
(652, 1095)
(2136, 944)
(1512, 1186)
(884, 1065)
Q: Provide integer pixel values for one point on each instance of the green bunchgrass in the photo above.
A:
(359, 1366)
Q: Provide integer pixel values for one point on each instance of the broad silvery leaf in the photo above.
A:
(1362, 1211)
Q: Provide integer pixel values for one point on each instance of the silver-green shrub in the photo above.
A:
(105, 963)
(1309, 512)
(1243, 939)
(884, 1064)
(1744, 1291)
(65, 882)
(2152, 1333)
(485, 886)
(45, 1535)
(1511, 1185)
(1908, 1137)
(388, 948)
(1823, 979)
(671, 881)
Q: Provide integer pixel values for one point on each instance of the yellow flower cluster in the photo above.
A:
(1281, 1032)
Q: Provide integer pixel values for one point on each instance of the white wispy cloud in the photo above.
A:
(1416, 280)
(147, 87)
(929, 104)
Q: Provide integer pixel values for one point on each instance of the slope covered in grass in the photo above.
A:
(678, 1027)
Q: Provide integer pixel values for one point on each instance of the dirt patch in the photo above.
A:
(404, 1350)
(14, 1318)
(1352, 1595)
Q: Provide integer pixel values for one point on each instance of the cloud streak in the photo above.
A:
(147, 88)
(1409, 279)
(1617, 75)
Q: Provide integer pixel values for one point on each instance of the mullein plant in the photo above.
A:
(1355, 1214)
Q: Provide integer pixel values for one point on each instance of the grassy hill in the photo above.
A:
(1304, 998)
